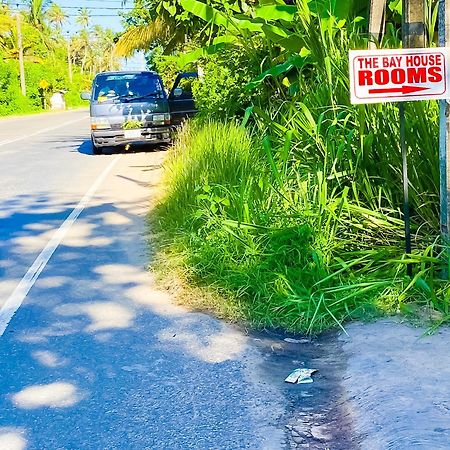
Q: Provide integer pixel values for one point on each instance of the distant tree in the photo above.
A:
(83, 18)
(36, 15)
(56, 16)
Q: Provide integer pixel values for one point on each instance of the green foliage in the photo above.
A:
(13, 102)
(170, 23)
(46, 57)
(167, 66)
(310, 234)
(220, 93)
(132, 124)
(223, 154)
(224, 211)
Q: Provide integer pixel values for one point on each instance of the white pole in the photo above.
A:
(376, 22)
(69, 58)
(23, 86)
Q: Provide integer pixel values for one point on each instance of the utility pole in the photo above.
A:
(413, 27)
(376, 22)
(444, 141)
(413, 36)
(69, 57)
(20, 49)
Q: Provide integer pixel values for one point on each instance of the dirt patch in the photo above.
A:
(317, 415)
(397, 382)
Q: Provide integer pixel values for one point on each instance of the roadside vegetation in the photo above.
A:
(281, 197)
(47, 51)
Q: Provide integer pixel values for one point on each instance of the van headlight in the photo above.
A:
(158, 117)
(161, 118)
(100, 123)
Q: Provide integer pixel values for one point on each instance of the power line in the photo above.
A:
(103, 1)
(79, 8)
(99, 8)
(21, 4)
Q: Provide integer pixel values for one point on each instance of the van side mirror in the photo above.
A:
(178, 92)
(85, 96)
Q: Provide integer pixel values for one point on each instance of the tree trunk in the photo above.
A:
(69, 60)
(23, 86)
(413, 32)
(376, 22)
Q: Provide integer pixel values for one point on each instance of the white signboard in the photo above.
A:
(399, 75)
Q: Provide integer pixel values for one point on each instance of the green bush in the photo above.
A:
(221, 92)
(205, 155)
(54, 72)
(166, 66)
(310, 234)
(292, 249)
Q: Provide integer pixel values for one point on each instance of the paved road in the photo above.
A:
(92, 354)
(95, 356)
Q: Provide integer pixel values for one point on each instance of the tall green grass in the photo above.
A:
(298, 217)
(296, 251)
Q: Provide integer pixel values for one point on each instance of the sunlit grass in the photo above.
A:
(297, 221)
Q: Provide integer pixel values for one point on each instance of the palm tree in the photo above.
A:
(104, 44)
(7, 24)
(9, 48)
(83, 18)
(165, 28)
(56, 16)
(169, 25)
(36, 14)
(142, 37)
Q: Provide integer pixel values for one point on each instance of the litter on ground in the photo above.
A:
(300, 376)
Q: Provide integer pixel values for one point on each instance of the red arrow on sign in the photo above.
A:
(400, 90)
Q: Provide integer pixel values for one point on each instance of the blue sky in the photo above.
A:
(103, 12)
(106, 14)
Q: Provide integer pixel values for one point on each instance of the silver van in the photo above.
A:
(133, 107)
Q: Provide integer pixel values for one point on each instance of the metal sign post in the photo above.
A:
(406, 216)
(413, 35)
(444, 141)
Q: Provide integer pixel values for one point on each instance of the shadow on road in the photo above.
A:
(83, 145)
(86, 149)
(96, 354)
(98, 357)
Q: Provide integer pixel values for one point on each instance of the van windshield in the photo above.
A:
(126, 87)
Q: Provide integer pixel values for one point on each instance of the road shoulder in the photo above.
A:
(397, 384)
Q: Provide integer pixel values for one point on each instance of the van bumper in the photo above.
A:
(112, 138)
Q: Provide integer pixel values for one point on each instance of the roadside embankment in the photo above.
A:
(277, 246)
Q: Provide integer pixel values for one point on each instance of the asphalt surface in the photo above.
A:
(93, 355)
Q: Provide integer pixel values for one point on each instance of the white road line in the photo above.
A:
(15, 300)
(45, 130)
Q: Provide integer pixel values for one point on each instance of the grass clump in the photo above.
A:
(290, 250)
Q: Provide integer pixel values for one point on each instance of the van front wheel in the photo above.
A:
(96, 150)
